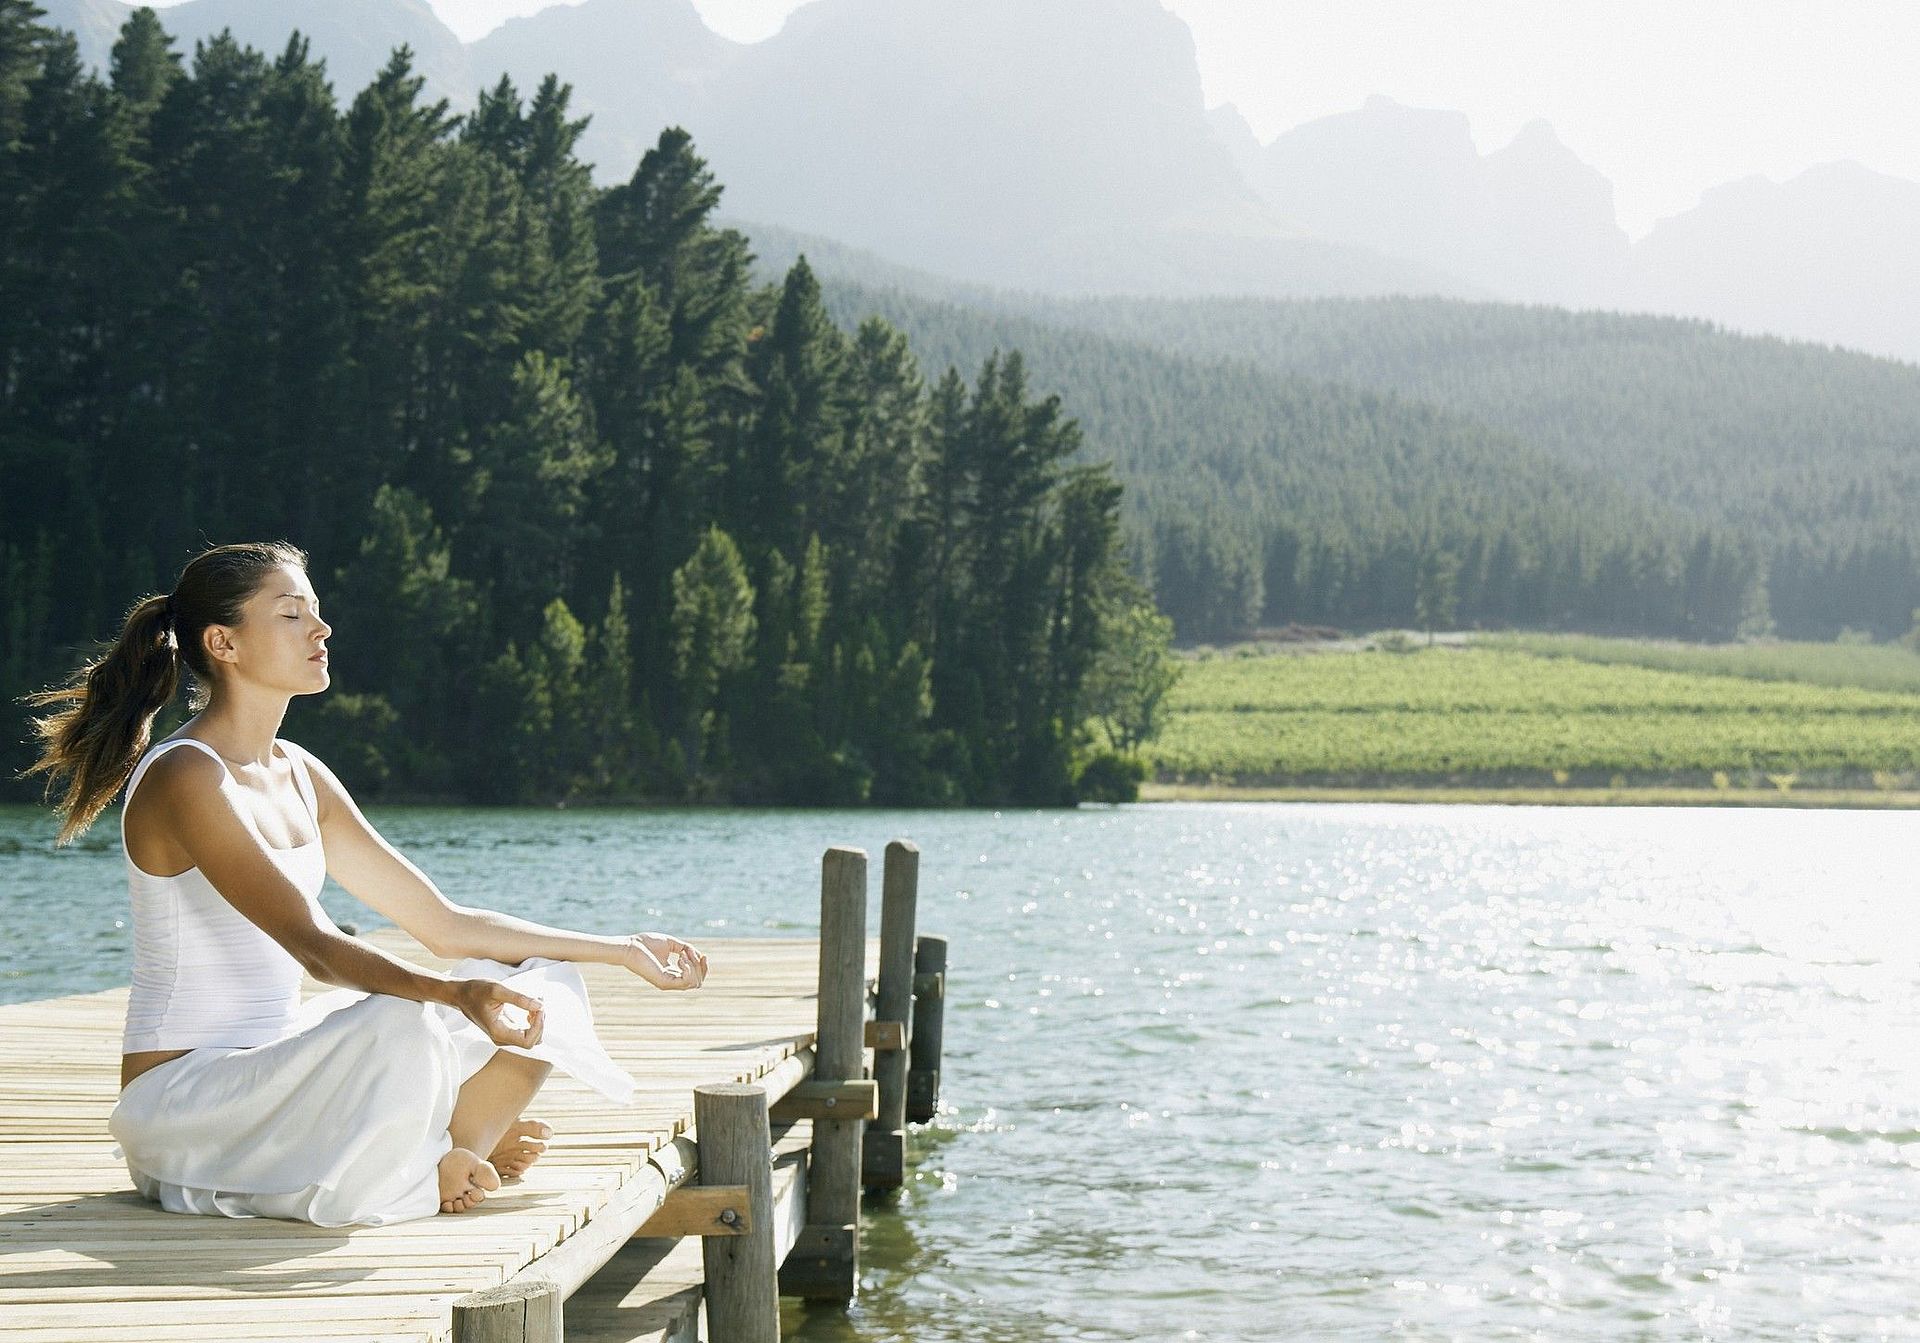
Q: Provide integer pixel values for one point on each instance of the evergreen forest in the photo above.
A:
(1314, 460)
(594, 514)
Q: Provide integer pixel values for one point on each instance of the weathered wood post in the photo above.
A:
(883, 1151)
(514, 1312)
(736, 1148)
(824, 1262)
(929, 1000)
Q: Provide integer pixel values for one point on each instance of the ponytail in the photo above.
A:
(91, 745)
(111, 705)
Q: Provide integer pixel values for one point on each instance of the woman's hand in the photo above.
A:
(664, 962)
(486, 1003)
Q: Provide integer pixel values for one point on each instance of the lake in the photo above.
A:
(1246, 1071)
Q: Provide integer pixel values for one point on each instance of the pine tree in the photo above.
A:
(527, 494)
(788, 455)
(712, 635)
(144, 63)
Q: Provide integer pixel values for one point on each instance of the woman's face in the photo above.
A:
(281, 643)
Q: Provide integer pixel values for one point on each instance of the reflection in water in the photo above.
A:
(1282, 1072)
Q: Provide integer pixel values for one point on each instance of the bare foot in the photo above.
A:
(465, 1180)
(520, 1146)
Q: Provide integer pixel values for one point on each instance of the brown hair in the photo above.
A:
(112, 700)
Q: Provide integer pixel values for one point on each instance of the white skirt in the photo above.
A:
(343, 1120)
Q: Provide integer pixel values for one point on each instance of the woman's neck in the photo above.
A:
(241, 738)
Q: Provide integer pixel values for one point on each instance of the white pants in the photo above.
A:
(343, 1121)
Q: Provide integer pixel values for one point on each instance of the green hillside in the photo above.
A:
(1261, 498)
(1800, 464)
(1811, 454)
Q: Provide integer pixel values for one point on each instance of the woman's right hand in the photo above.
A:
(484, 1003)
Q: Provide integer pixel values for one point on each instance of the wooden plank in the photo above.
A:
(709, 1210)
(854, 1098)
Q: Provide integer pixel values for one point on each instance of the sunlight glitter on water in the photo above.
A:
(1272, 1072)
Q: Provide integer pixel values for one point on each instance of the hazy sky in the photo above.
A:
(1666, 97)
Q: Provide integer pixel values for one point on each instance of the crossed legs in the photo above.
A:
(484, 1120)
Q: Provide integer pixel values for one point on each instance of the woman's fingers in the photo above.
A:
(536, 1011)
(695, 963)
(669, 962)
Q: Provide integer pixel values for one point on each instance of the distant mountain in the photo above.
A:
(1230, 128)
(635, 65)
(1059, 147)
(1529, 222)
(95, 25)
(354, 37)
(1831, 255)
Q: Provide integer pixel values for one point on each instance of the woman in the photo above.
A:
(395, 1097)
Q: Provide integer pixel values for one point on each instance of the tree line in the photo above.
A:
(592, 512)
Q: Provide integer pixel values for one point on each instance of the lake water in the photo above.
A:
(1285, 1072)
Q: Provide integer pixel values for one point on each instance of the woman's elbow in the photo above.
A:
(446, 937)
(317, 948)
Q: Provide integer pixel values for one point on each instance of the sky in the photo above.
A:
(1664, 97)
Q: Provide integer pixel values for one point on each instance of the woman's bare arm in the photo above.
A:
(211, 824)
(382, 878)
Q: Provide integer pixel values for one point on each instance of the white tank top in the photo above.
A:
(203, 973)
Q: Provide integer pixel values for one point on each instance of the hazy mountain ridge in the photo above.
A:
(1066, 148)
(1530, 221)
(1832, 254)
(354, 38)
(1081, 158)
(635, 68)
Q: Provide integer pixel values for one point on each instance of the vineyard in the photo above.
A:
(1499, 716)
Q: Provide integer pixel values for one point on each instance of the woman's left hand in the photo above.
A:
(665, 962)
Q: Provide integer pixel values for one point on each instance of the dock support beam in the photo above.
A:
(883, 1153)
(929, 1004)
(514, 1312)
(743, 1304)
(824, 1263)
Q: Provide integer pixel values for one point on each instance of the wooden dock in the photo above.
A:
(83, 1256)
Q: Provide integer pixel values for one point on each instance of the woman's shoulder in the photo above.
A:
(164, 776)
(161, 758)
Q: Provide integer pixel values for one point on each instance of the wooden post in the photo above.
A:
(736, 1148)
(929, 999)
(515, 1312)
(883, 1153)
(824, 1261)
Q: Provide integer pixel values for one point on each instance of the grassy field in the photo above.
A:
(1867, 666)
(1577, 717)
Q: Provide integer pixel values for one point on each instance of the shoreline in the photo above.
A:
(1442, 795)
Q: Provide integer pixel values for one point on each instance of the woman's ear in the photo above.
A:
(218, 641)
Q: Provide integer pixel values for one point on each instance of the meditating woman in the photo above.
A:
(397, 1096)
